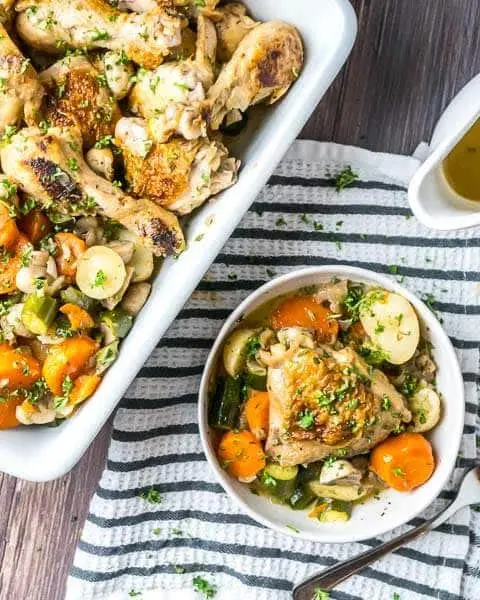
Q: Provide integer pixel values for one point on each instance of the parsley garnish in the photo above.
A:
(344, 178)
(319, 594)
(306, 419)
(398, 472)
(386, 402)
(179, 569)
(133, 593)
(152, 496)
(202, 586)
(253, 346)
(280, 222)
(100, 278)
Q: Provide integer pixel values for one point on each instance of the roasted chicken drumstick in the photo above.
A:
(51, 168)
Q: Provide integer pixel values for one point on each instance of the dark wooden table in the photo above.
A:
(410, 58)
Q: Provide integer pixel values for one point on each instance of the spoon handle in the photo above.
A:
(328, 579)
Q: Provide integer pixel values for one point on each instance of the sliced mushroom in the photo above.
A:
(100, 160)
(135, 297)
(340, 472)
(124, 248)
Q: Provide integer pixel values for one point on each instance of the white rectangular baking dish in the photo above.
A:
(328, 29)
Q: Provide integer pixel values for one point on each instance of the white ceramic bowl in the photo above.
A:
(393, 508)
(433, 201)
(328, 29)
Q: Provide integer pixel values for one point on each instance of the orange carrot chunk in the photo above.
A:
(257, 410)
(403, 462)
(36, 225)
(78, 317)
(69, 358)
(18, 370)
(304, 311)
(8, 417)
(83, 388)
(241, 454)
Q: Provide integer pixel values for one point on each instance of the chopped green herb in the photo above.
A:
(319, 594)
(280, 222)
(72, 164)
(179, 569)
(292, 527)
(398, 472)
(386, 402)
(98, 35)
(202, 586)
(100, 278)
(152, 496)
(270, 272)
(253, 346)
(306, 419)
(393, 269)
(133, 593)
(345, 178)
(156, 531)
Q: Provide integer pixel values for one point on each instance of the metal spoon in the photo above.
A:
(468, 493)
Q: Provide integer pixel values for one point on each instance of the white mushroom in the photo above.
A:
(340, 472)
(124, 248)
(135, 298)
(34, 414)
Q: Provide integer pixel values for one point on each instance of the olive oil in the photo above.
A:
(462, 166)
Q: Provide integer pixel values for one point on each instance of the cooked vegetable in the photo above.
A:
(105, 357)
(36, 225)
(255, 375)
(135, 297)
(117, 321)
(241, 454)
(279, 481)
(256, 412)
(336, 511)
(341, 472)
(391, 323)
(39, 313)
(79, 318)
(426, 407)
(302, 496)
(69, 249)
(72, 295)
(18, 369)
(235, 351)
(8, 406)
(100, 272)
(403, 462)
(10, 264)
(226, 404)
(142, 259)
(9, 234)
(304, 311)
(348, 493)
(83, 387)
(67, 359)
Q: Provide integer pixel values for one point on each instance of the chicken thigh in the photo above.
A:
(51, 168)
(172, 96)
(179, 174)
(53, 25)
(78, 95)
(343, 400)
(192, 7)
(264, 65)
(20, 89)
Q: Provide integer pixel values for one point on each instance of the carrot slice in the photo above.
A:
(36, 225)
(241, 454)
(8, 418)
(304, 311)
(78, 317)
(10, 264)
(18, 369)
(9, 234)
(257, 410)
(67, 359)
(70, 249)
(84, 387)
(404, 462)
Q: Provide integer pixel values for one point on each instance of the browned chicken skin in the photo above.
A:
(78, 95)
(51, 168)
(53, 25)
(263, 67)
(325, 404)
(178, 174)
(20, 91)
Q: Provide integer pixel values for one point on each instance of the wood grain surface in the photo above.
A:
(409, 60)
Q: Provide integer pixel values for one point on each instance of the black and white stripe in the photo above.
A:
(128, 543)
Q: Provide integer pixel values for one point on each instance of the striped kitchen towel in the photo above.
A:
(134, 548)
